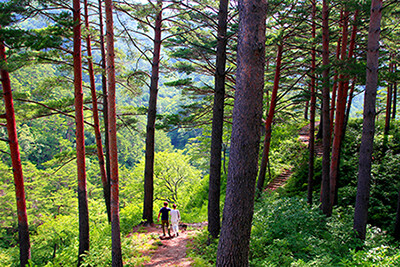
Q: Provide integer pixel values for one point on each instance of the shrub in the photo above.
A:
(130, 216)
(202, 249)
(288, 231)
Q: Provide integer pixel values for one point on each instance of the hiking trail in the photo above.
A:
(304, 137)
(170, 251)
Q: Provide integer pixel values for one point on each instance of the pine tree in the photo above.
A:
(233, 246)
(112, 116)
(23, 230)
(80, 138)
(217, 124)
(365, 158)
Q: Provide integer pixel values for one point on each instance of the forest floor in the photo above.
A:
(171, 251)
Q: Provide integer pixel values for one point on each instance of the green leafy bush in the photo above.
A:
(288, 230)
(202, 249)
(382, 256)
(130, 215)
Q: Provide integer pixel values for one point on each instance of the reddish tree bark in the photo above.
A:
(341, 108)
(80, 137)
(112, 122)
(326, 135)
(23, 229)
(105, 98)
(233, 246)
(335, 77)
(151, 120)
(100, 155)
(268, 122)
(352, 48)
(394, 100)
(312, 111)
(214, 191)
(367, 138)
(339, 117)
(335, 83)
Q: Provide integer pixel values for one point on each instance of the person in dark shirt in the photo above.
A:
(164, 212)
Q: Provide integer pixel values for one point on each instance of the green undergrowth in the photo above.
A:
(286, 231)
(55, 242)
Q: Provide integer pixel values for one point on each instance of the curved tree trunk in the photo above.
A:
(100, 155)
(214, 192)
(23, 229)
(80, 137)
(268, 122)
(151, 121)
(367, 138)
(114, 179)
(233, 246)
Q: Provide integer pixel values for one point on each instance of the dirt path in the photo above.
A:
(171, 251)
(304, 137)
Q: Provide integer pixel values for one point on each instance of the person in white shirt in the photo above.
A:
(175, 218)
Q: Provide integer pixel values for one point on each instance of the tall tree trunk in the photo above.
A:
(80, 137)
(335, 78)
(100, 155)
(233, 246)
(388, 109)
(214, 192)
(394, 100)
(326, 135)
(151, 121)
(367, 139)
(23, 229)
(312, 111)
(387, 118)
(340, 114)
(268, 122)
(394, 95)
(105, 105)
(112, 122)
(352, 48)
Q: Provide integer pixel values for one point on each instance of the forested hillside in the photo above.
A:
(111, 108)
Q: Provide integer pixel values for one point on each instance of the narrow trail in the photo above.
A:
(171, 251)
(304, 137)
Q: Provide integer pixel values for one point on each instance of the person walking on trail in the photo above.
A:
(175, 218)
(164, 218)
